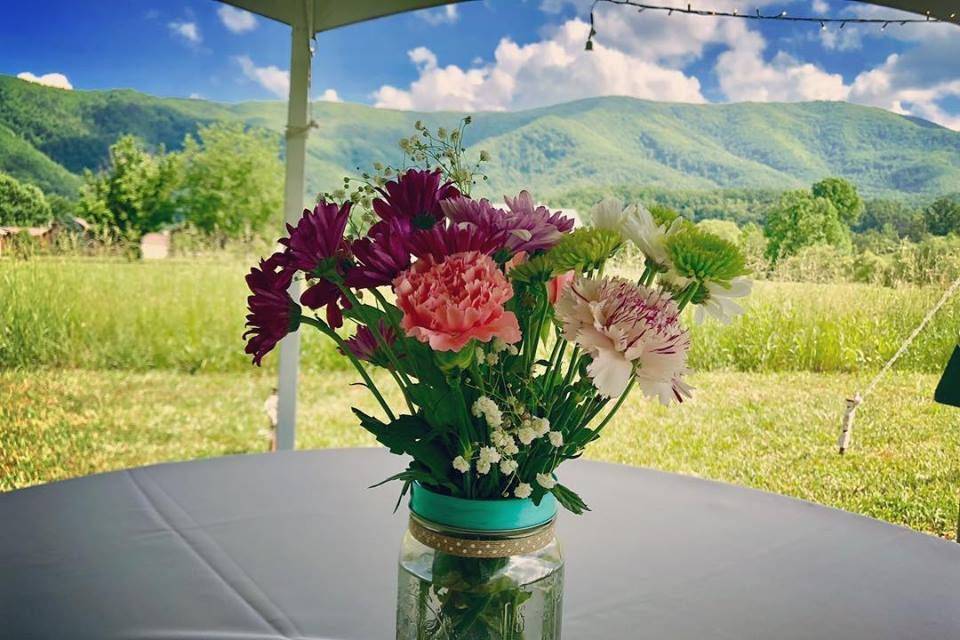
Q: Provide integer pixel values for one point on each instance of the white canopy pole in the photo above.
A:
(297, 129)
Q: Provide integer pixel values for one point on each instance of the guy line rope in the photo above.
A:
(846, 430)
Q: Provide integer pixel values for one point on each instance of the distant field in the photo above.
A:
(771, 431)
(188, 316)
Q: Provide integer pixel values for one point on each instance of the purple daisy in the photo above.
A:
(380, 256)
(524, 205)
(455, 237)
(317, 247)
(363, 344)
(527, 227)
(317, 242)
(413, 200)
(273, 313)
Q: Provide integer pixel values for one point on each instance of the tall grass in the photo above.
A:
(188, 315)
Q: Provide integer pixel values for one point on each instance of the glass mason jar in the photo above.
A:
(479, 570)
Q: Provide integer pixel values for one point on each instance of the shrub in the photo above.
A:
(22, 205)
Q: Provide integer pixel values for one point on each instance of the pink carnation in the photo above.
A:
(449, 303)
(629, 331)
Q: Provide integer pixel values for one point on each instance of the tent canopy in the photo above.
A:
(330, 14)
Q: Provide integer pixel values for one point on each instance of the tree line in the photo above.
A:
(226, 182)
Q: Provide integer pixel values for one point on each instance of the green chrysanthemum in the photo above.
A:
(703, 256)
(538, 269)
(585, 249)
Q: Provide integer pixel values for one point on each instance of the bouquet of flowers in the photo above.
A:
(511, 348)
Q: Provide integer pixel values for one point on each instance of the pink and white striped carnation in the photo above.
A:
(629, 331)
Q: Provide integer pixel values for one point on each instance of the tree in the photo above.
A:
(134, 193)
(22, 205)
(943, 216)
(802, 220)
(232, 180)
(844, 197)
(726, 229)
(892, 216)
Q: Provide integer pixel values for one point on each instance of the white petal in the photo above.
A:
(610, 373)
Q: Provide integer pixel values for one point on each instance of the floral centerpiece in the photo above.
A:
(511, 348)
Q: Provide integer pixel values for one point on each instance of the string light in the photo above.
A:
(757, 15)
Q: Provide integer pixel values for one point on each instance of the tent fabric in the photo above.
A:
(293, 545)
(330, 14)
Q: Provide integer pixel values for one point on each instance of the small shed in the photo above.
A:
(155, 246)
(41, 234)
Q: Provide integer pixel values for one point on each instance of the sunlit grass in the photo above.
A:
(188, 316)
(771, 431)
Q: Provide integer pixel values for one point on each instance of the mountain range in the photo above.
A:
(50, 136)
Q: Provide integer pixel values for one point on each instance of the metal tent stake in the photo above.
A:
(846, 432)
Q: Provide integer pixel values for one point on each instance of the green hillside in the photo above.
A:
(48, 136)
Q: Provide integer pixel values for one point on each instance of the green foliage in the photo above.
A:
(893, 218)
(20, 159)
(753, 243)
(133, 194)
(943, 216)
(725, 229)
(232, 180)
(738, 205)
(22, 205)
(844, 197)
(801, 220)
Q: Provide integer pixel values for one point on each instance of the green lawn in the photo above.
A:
(774, 431)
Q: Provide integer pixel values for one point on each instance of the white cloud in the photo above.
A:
(272, 78)
(834, 38)
(55, 80)
(648, 56)
(189, 31)
(555, 69)
(896, 86)
(329, 95)
(236, 20)
(447, 14)
(820, 6)
(744, 75)
(196, 96)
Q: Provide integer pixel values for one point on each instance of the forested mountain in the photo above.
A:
(49, 136)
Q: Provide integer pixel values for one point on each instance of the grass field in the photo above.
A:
(771, 431)
(188, 316)
(106, 365)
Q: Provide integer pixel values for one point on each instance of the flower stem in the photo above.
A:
(382, 343)
(687, 295)
(326, 330)
(616, 407)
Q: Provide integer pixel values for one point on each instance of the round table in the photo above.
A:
(293, 545)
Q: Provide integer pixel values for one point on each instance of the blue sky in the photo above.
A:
(493, 54)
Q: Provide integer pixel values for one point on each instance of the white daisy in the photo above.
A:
(720, 300)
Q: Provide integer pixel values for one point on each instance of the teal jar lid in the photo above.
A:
(481, 515)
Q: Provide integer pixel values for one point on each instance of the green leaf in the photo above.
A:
(441, 407)
(413, 436)
(569, 500)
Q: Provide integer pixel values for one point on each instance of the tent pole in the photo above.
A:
(296, 148)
